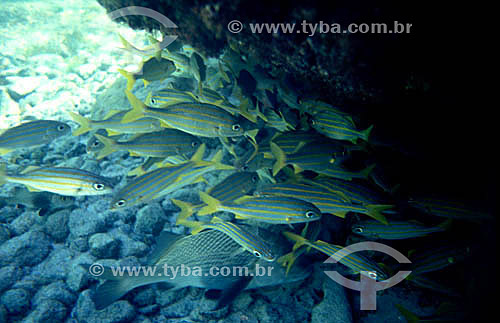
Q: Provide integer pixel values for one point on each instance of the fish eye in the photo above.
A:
(194, 144)
(98, 186)
(358, 229)
(451, 260)
(310, 214)
(236, 127)
(95, 143)
(255, 179)
(61, 127)
(120, 203)
(153, 101)
(245, 167)
(257, 254)
(372, 275)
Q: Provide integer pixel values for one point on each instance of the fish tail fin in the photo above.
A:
(260, 114)
(375, 211)
(138, 108)
(287, 261)
(3, 173)
(108, 146)
(109, 292)
(443, 226)
(409, 316)
(198, 155)
(246, 114)
(186, 210)
(366, 172)
(299, 240)
(252, 134)
(130, 78)
(156, 47)
(217, 162)
(212, 204)
(128, 46)
(84, 123)
(217, 157)
(113, 288)
(366, 133)
(280, 156)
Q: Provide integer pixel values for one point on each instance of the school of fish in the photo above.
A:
(292, 167)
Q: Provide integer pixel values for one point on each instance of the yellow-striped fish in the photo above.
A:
(315, 156)
(167, 179)
(59, 180)
(338, 127)
(326, 201)
(231, 188)
(270, 209)
(152, 69)
(113, 124)
(247, 240)
(355, 262)
(199, 119)
(166, 97)
(31, 134)
(163, 143)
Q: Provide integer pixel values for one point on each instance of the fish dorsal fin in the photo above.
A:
(217, 157)
(29, 169)
(111, 113)
(148, 97)
(32, 189)
(113, 132)
(198, 155)
(216, 220)
(243, 199)
(163, 243)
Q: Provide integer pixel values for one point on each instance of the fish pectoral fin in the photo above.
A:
(4, 151)
(238, 251)
(163, 243)
(228, 295)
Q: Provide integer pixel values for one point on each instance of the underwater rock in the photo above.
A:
(8, 276)
(84, 311)
(180, 309)
(3, 313)
(168, 297)
(47, 311)
(149, 220)
(16, 301)
(29, 220)
(130, 247)
(4, 233)
(84, 223)
(145, 297)
(77, 277)
(56, 225)
(103, 246)
(86, 70)
(22, 86)
(55, 267)
(27, 249)
(57, 290)
(334, 307)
